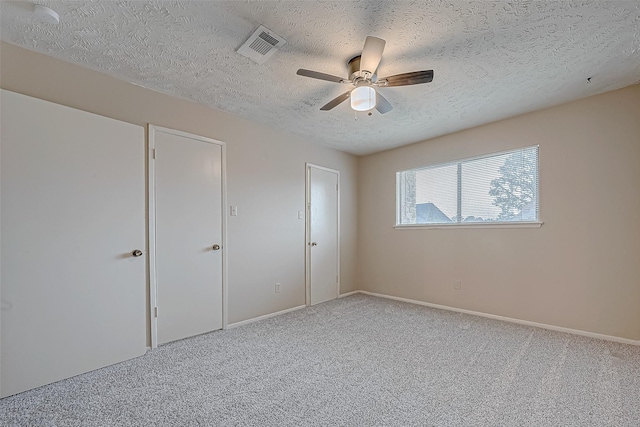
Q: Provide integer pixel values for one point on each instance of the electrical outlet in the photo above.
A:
(300, 216)
(277, 288)
(233, 211)
(457, 285)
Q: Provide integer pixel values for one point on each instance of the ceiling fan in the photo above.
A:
(362, 75)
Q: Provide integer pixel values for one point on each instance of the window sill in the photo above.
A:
(533, 224)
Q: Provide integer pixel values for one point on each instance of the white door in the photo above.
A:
(323, 243)
(73, 211)
(188, 234)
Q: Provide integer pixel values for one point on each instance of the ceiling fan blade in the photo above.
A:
(320, 76)
(405, 79)
(382, 105)
(371, 54)
(336, 101)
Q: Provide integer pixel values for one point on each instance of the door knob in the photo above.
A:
(136, 253)
(216, 247)
(314, 244)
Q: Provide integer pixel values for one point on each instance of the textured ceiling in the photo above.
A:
(491, 59)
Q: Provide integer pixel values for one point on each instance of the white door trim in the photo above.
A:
(307, 228)
(151, 249)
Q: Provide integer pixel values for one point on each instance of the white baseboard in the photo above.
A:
(266, 316)
(348, 294)
(278, 313)
(506, 319)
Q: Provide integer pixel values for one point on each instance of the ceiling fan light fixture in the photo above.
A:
(363, 98)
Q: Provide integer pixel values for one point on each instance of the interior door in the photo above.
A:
(323, 244)
(188, 234)
(73, 211)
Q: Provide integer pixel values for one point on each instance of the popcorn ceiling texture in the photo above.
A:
(356, 361)
(492, 59)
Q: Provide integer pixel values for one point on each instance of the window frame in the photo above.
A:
(488, 224)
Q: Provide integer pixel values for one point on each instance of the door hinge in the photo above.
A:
(153, 154)
(155, 312)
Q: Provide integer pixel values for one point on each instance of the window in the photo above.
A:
(497, 188)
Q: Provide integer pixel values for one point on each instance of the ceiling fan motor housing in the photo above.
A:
(355, 75)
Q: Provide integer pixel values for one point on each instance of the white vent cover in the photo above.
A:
(261, 45)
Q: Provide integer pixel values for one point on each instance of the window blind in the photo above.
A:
(499, 187)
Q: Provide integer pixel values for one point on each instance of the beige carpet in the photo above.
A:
(357, 361)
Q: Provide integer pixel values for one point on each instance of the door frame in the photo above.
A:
(307, 229)
(151, 228)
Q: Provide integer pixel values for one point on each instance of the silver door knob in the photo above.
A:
(136, 253)
(314, 244)
(216, 247)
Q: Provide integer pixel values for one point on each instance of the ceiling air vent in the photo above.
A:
(261, 45)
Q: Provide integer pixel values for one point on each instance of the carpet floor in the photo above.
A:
(356, 361)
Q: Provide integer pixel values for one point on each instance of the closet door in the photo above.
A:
(324, 243)
(73, 242)
(188, 186)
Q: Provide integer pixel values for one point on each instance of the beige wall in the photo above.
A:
(265, 175)
(580, 270)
